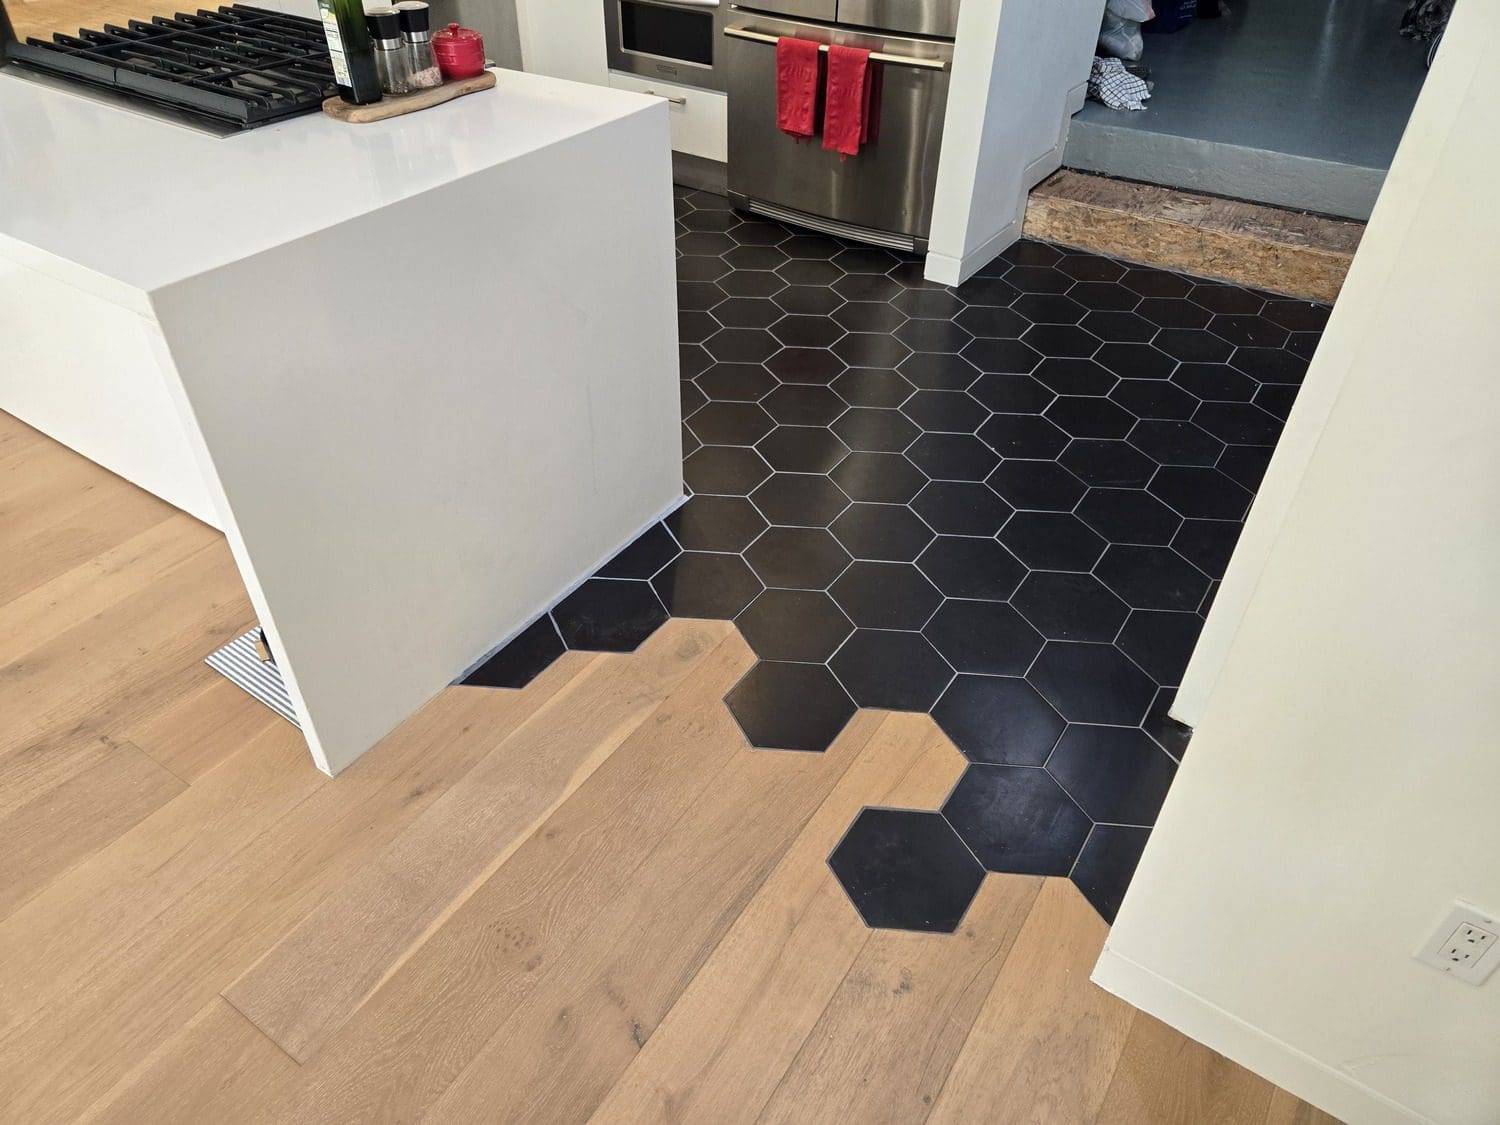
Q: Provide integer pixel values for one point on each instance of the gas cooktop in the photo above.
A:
(234, 68)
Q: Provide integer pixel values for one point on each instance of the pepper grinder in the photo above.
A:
(391, 59)
(414, 30)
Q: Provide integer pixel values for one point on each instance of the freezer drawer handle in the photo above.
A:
(878, 56)
(666, 97)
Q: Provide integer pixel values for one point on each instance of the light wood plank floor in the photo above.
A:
(585, 901)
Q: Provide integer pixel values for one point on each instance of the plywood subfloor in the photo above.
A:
(585, 900)
(1261, 247)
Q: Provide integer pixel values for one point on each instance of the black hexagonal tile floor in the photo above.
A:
(869, 386)
(1152, 577)
(1161, 642)
(983, 638)
(961, 508)
(799, 499)
(1106, 864)
(802, 449)
(1038, 485)
(731, 423)
(724, 470)
(894, 671)
(716, 523)
(1092, 683)
(1000, 720)
(1023, 435)
(879, 595)
(882, 532)
(1052, 541)
(876, 431)
(906, 870)
(790, 706)
(878, 478)
(609, 615)
(1017, 819)
(1061, 439)
(963, 567)
(1070, 607)
(700, 584)
(798, 558)
(1116, 774)
(798, 625)
(522, 659)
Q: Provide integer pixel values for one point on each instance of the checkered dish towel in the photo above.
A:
(1116, 87)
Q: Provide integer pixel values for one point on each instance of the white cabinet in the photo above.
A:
(700, 118)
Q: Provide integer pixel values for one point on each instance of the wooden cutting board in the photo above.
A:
(394, 105)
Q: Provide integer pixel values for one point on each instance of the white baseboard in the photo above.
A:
(1312, 1081)
(948, 270)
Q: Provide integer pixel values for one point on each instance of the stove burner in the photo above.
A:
(239, 66)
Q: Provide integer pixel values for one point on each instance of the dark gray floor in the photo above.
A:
(1296, 103)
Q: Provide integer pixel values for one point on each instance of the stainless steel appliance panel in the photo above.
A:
(675, 40)
(889, 185)
(799, 9)
(909, 17)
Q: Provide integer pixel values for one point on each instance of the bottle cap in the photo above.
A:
(414, 15)
(385, 23)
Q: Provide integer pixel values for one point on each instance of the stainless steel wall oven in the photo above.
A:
(674, 40)
(882, 195)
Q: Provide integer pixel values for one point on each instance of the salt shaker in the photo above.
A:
(391, 60)
(414, 31)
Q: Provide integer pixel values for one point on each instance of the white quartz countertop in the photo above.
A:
(144, 202)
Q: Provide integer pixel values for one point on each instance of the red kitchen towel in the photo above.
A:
(796, 86)
(849, 108)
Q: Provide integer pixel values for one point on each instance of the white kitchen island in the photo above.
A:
(423, 372)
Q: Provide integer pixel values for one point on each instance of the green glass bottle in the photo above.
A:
(351, 49)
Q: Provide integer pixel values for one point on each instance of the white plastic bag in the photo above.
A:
(1138, 10)
(1120, 38)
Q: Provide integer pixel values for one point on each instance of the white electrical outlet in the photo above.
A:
(1466, 944)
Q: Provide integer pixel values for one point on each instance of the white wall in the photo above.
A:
(1018, 71)
(1340, 790)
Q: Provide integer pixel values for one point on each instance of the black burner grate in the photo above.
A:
(239, 65)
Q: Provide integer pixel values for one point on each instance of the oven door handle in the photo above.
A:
(877, 56)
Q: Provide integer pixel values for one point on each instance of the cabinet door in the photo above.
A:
(699, 117)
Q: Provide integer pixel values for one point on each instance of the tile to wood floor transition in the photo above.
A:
(668, 943)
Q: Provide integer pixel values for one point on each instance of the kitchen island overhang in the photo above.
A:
(423, 372)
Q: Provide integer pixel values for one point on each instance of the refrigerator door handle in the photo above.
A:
(877, 56)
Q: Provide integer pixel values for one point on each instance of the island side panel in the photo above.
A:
(82, 369)
(428, 423)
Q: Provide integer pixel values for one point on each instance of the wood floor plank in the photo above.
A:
(194, 733)
(557, 1055)
(220, 1066)
(428, 1021)
(890, 1034)
(725, 1044)
(69, 599)
(45, 837)
(1045, 1044)
(1288, 1109)
(1165, 1077)
(247, 893)
(124, 660)
(320, 973)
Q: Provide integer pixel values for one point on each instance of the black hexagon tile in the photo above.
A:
(790, 706)
(609, 615)
(1001, 720)
(1007, 504)
(895, 671)
(904, 869)
(1017, 819)
(1116, 774)
(522, 659)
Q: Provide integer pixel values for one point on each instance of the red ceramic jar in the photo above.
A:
(459, 51)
